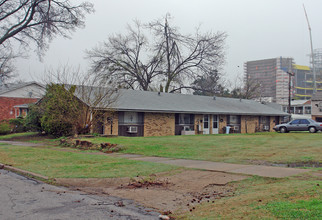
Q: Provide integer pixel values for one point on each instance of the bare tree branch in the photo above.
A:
(6, 67)
(39, 21)
(169, 59)
(121, 60)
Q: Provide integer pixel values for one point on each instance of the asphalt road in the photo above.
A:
(23, 198)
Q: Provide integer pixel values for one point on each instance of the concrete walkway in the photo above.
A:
(20, 143)
(259, 170)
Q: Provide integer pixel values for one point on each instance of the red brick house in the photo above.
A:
(15, 96)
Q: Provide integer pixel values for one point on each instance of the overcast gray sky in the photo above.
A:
(257, 29)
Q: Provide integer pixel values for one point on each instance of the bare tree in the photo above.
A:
(245, 88)
(251, 89)
(186, 57)
(127, 59)
(166, 58)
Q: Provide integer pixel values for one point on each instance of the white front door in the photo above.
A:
(206, 124)
(215, 124)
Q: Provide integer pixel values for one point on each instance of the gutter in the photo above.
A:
(193, 112)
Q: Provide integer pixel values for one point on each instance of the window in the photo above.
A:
(320, 106)
(184, 119)
(233, 119)
(264, 120)
(206, 121)
(131, 118)
(304, 121)
(215, 121)
(184, 122)
(234, 122)
(295, 122)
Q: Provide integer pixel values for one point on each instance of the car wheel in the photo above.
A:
(312, 129)
(283, 130)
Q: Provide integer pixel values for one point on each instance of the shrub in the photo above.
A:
(32, 121)
(56, 127)
(18, 125)
(4, 128)
(60, 110)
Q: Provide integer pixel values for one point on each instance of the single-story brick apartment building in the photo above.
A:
(144, 113)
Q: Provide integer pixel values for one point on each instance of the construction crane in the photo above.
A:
(312, 53)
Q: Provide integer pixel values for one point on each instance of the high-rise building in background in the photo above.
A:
(273, 76)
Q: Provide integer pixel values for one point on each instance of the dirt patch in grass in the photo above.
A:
(180, 191)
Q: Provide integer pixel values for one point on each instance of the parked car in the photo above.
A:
(299, 125)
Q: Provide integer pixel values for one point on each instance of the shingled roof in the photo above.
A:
(134, 100)
(14, 86)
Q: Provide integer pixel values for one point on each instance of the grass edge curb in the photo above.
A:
(23, 172)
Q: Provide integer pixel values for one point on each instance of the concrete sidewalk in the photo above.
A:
(259, 170)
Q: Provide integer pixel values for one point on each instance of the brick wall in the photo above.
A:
(222, 123)
(249, 124)
(272, 123)
(159, 124)
(198, 124)
(112, 126)
(7, 105)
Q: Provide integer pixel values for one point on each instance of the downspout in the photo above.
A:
(246, 124)
(91, 120)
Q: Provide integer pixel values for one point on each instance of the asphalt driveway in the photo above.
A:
(23, 198)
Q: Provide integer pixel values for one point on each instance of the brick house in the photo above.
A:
(143, 113)
(316, 103)
(14, 98)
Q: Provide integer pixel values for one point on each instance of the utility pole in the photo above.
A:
(312, 53)
(290, 74)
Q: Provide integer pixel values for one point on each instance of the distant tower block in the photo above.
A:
(317, 59)
(272, 75)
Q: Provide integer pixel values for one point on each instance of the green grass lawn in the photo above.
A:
(298, 197)
(233, 148)
(266, 198)
(59, 164)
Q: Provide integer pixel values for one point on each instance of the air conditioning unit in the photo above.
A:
(265, 127)
(236, 128)
(132, 129)
(186, 128)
